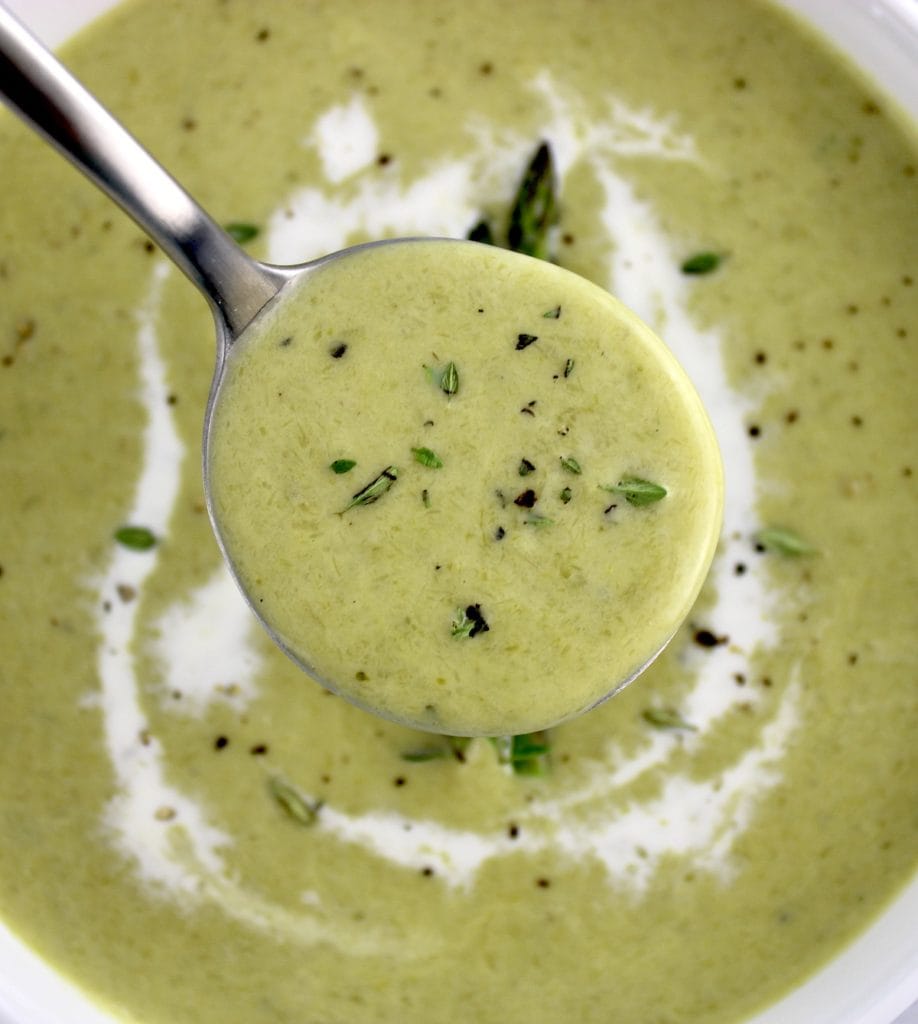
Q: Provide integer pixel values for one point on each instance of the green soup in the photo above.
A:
(467, 488)
(194, 832)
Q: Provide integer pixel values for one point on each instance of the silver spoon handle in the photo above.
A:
(45, 95)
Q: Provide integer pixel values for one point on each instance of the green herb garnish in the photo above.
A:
(427, 458)
(461, 626)
(449, 379)
(666, 718)
(468, 622)
(374, 490)
(425, 498)
(553, 314)
(538, 521)
(525, 467)
(137, 538)
(424, 754)
(784, 541)
(702, 263)
(535, 207)
(340, 466)
(566, 495)
(293, 802)
(568, 367)
(526, 754)
(241, 232)
(636, 491)
(571, 465)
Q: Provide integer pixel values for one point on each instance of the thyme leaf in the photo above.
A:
(553, 314)
(526, 754)
(340, 466)
(137, 538)
(293, 802)
(535, 206)
(784, 541)
(571, 465)
(449, 379)
(666, 718)
(242, 232)
(701, 263)
(538, 521)
(424, 754)
(525, 467)
(428, 458)
(637, 491)
(468, 622)
(566, 495)
(568, 367)
(374, 490)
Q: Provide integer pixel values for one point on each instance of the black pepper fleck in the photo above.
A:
(705, 638)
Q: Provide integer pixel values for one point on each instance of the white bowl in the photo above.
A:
(875, 979)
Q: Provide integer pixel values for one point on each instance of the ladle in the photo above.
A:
(41, 91)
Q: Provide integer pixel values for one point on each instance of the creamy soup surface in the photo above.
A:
(193, 831)
(469, 489)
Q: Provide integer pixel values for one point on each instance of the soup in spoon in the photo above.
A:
(467, 489)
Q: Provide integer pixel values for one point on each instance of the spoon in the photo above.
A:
(256, 306)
